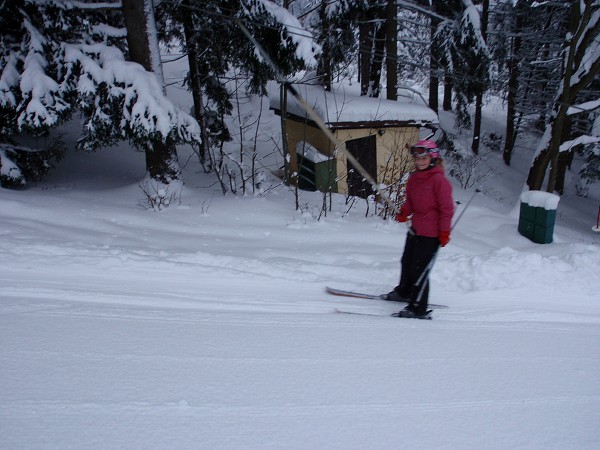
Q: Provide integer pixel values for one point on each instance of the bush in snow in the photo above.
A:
(158, 196)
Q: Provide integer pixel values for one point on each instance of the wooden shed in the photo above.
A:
(376, 132)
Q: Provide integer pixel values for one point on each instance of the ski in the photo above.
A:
(360, 313)
(343, 293)
(408, 315)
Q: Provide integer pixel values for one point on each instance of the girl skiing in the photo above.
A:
(430, 207)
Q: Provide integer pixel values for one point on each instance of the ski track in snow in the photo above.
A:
(323, 377)
(272, 284)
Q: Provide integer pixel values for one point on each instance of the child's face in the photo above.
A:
(422, 162)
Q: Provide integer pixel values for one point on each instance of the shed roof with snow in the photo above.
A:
(342, 109)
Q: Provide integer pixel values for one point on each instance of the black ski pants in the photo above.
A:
(418, 253)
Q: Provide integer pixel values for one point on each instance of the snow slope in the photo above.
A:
(206, 325)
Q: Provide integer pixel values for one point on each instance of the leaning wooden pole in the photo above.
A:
(318, 121)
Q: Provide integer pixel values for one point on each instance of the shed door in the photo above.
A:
(364, 150)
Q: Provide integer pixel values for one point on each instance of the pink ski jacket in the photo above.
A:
(429, 201)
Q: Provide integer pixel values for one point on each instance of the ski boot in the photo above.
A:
(410, 313)
(394, 296)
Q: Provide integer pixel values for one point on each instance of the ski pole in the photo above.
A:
(427, 269)
(477, 191)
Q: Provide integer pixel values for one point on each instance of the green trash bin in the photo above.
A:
(326, 175)
(316, 171)
(538, 215)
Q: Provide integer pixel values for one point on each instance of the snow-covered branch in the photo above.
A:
(580, 140)
(583, 107)
(42, 103)
(74, 4)
(144, 107)
(306, 47)
(96, 5)
(586, 51)
(108, 31)
(8, 80)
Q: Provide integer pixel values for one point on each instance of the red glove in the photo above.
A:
(444, 238)
(400, 218)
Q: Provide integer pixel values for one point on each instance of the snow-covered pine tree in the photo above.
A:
(414, 40)
(529, 55)
(507, 20)
(60, 56)
(22, 48)
(590, 170)
(586, 123)
(349, 30)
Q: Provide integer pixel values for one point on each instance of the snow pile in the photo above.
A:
(539, 199)
(307, 150)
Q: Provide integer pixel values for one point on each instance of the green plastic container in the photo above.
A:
(538, 216)
(317, 176)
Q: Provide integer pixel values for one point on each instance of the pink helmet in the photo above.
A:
(425, 147)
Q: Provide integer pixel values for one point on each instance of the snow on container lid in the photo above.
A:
(540, 199)
(307, 150)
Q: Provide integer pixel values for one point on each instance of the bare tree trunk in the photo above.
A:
(391, 50)
(434, 81)
(447, 105)
(377, 60)
(324, 69)
(195, 82)
(511, 99)
(284, 137)
(161, 156)
(477, 123)
(479, 95)
(565, 159)
(372, 40)
(365, 43)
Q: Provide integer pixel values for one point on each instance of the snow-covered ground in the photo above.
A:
(206, 325)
